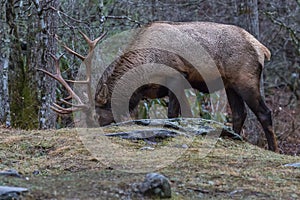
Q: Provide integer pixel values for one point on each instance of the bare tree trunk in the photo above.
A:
(21, 93)
(4, 93)
(4, 60)
(47, 87)
(30, 40)
(246, 15)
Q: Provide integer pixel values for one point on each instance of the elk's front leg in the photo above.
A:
(239, 112)
(173, 106)
(178, 105)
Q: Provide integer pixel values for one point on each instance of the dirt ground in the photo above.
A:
(55, 164)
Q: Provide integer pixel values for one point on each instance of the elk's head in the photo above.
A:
(104, 114)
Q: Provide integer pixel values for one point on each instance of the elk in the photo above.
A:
(238, 56)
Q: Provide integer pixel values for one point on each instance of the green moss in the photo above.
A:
(23, 102)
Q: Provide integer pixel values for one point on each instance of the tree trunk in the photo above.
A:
(21, 91)
(4, 94)
(4, 60)
(47, 23)
(29, 43)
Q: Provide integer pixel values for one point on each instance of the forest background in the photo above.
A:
(30, 28)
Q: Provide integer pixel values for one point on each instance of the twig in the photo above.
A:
(122, 17)
(58, 12)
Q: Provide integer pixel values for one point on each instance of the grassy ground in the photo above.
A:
(56, 165)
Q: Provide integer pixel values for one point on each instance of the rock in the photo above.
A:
(204, 130)
(297, 165)
(185, 146)
(7, 192)
(147, 148)
(211, 182)
(36, 172)
(236, 192)
(154, 133)
(161, 128)
(157, 185)
(182, 146)
(228, 132)
(10, 172)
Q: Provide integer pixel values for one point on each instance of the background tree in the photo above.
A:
(29, 28)
(46, 27)
(4, 61)
(28, 40)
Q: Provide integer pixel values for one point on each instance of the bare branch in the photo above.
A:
(123, 17)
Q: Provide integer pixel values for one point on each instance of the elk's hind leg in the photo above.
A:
(254, 100)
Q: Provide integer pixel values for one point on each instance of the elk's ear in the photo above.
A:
(103, 95)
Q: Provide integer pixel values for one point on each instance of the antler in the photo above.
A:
(92, 44)
(72, 95)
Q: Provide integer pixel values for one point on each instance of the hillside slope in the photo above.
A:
(55, 164)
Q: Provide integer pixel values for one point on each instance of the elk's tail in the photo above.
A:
(266, 51)
(262, 51)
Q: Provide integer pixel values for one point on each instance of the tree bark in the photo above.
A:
(29, 94)
(4, 60)
(22, 99)
(4, 93)
(47, 22)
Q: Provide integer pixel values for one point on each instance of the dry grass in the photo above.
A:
(66, 169)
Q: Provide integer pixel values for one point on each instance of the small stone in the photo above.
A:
(235, 192)
(211, 182)
(36, 172)
(297, 165)
(185, 146)
(200, 195)
(294, 196)
(147, 148)
(7, 192)
(10, 172)
(157, 185)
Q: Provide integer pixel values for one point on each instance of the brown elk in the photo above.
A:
(238, 56)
